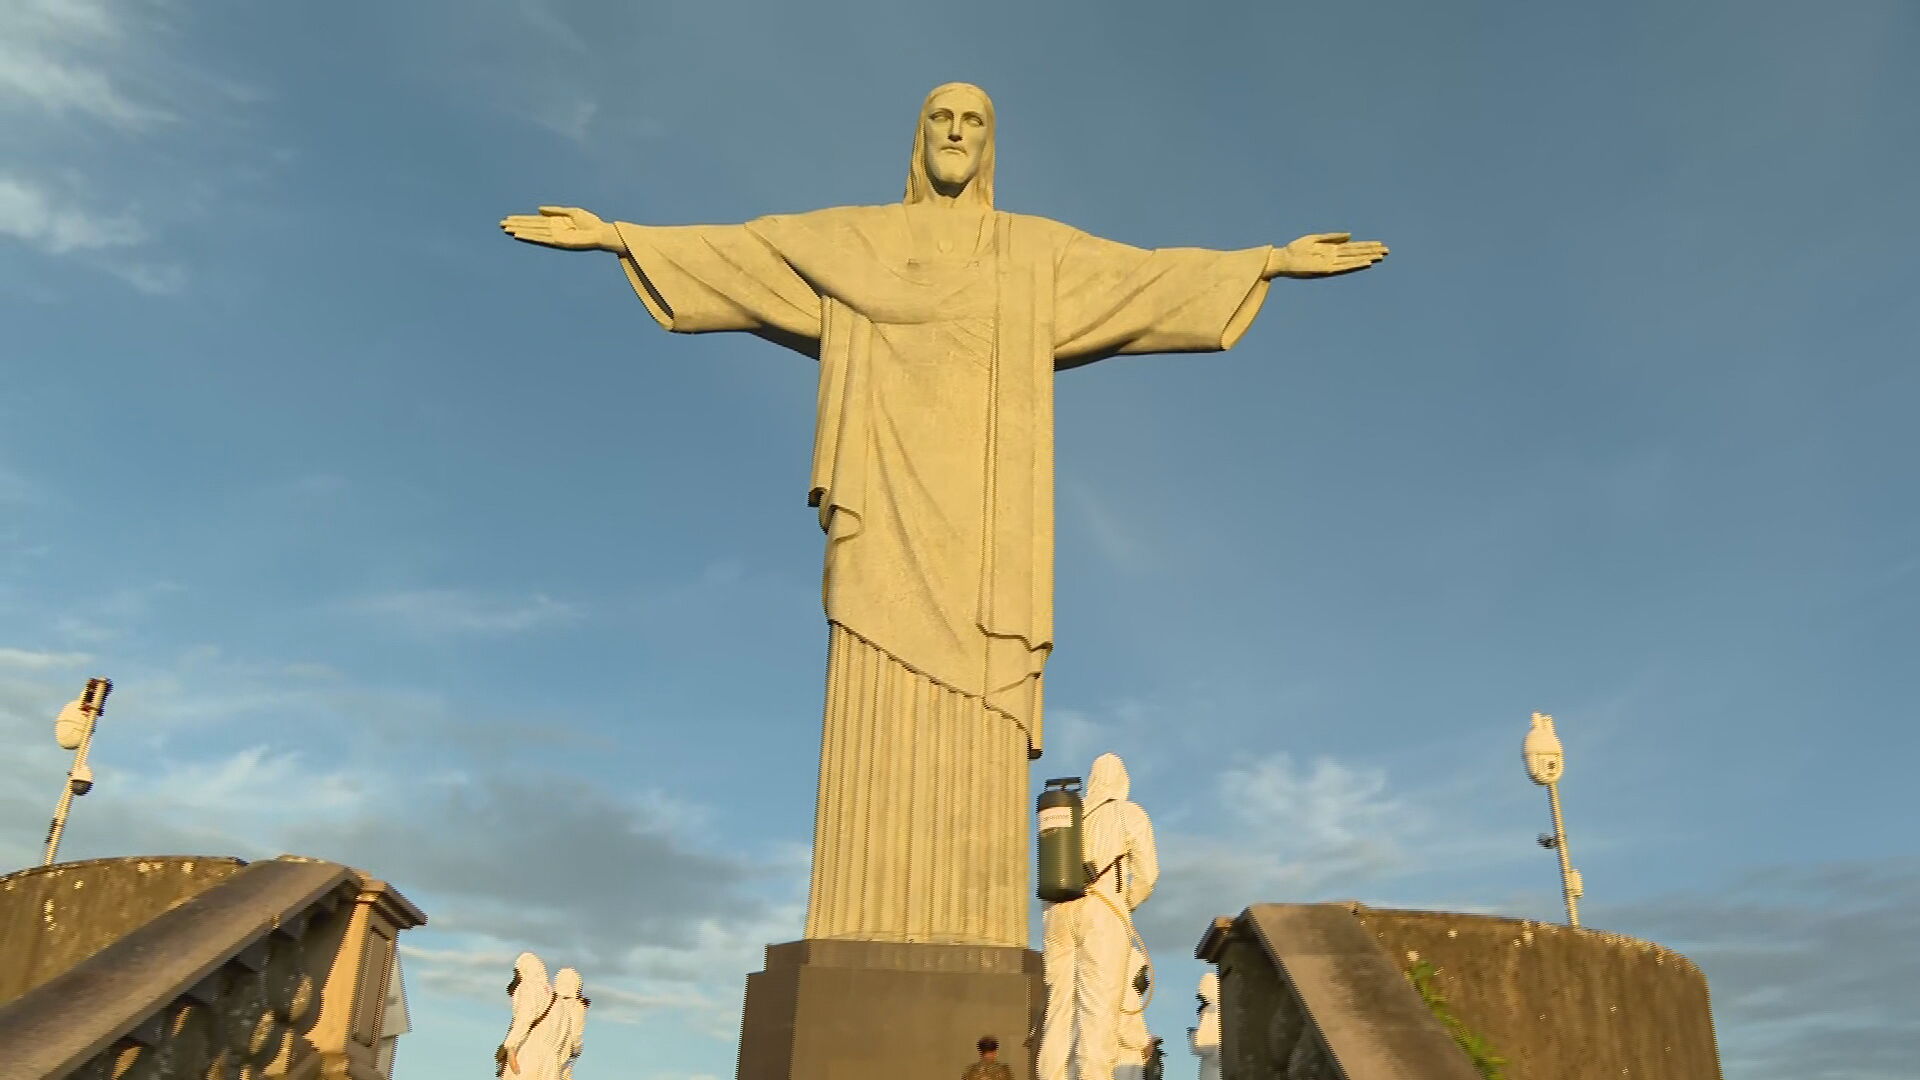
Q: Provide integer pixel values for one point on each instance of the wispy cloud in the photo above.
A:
(1121, 544)
(91, 621)
(79, 59)
(57, 223)
(1073, 738)
(40, 660)
(1331, 806)
(29, 212)
(461, 611)
(93, 92)
(559, 99)
(1275, 830)
(255, 775)
(1809, 966)
(617, 883)
(583, 876)
(154, 279)
(318, 485)
(573, 119)
(544, 67)
(14, 486)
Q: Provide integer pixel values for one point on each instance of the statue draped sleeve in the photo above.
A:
(1110, 298)
(703, 278)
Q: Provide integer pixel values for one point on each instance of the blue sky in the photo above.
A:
(413, 547)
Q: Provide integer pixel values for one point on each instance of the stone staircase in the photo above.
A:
(181, 966)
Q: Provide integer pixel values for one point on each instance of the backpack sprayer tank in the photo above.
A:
(1063, 868)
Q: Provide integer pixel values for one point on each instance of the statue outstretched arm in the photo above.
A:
(1323, 255)
(693, 278)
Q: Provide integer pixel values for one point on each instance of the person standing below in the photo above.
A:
(536, 1044)
(1204, 1036)
(573, 1006)
(1087, 941)
(989, 1067)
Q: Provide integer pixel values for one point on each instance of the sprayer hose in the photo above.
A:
(1126, 919)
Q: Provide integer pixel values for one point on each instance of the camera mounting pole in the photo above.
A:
(1546, 763)
(74, 731)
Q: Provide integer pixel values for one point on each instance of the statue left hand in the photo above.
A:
(566, 227)
(1324, 255)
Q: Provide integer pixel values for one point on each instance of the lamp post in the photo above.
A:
(74, 731)
(1545, 763)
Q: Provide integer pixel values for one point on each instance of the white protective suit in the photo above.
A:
(1130, 1057)
(1205, 1038)
(566, 983)
(1086, 942)
(539, 1037)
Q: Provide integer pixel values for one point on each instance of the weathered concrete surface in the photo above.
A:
(1321, 990)
(1573, 1004)
(53, 917)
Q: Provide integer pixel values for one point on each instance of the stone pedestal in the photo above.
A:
(854, 1010)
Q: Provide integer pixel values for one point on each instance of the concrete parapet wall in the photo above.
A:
(1555, 1001)
(53, 917)
(1322, 992)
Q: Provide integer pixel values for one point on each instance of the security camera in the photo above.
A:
(1546, 840)
(80, 780)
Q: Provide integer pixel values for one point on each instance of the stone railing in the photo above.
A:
(1323, 992)
(165, 967)
(1307, 994)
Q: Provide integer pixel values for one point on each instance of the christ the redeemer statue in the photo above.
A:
(938, 322)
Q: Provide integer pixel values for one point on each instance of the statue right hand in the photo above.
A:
(566, 227)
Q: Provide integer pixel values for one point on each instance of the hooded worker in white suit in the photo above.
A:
(537, 1045)
(566, 985)
(1087, 942)
(1204, 1037)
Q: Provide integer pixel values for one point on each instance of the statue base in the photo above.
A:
(853, 1010)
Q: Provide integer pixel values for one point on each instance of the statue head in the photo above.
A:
(953, 147)
(566, 982)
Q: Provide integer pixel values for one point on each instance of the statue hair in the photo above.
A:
(919, 185)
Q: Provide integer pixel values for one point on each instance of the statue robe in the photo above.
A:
(938, 331)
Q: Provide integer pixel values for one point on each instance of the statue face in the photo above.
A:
(956, 134)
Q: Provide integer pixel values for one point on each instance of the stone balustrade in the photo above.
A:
(181, 967)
